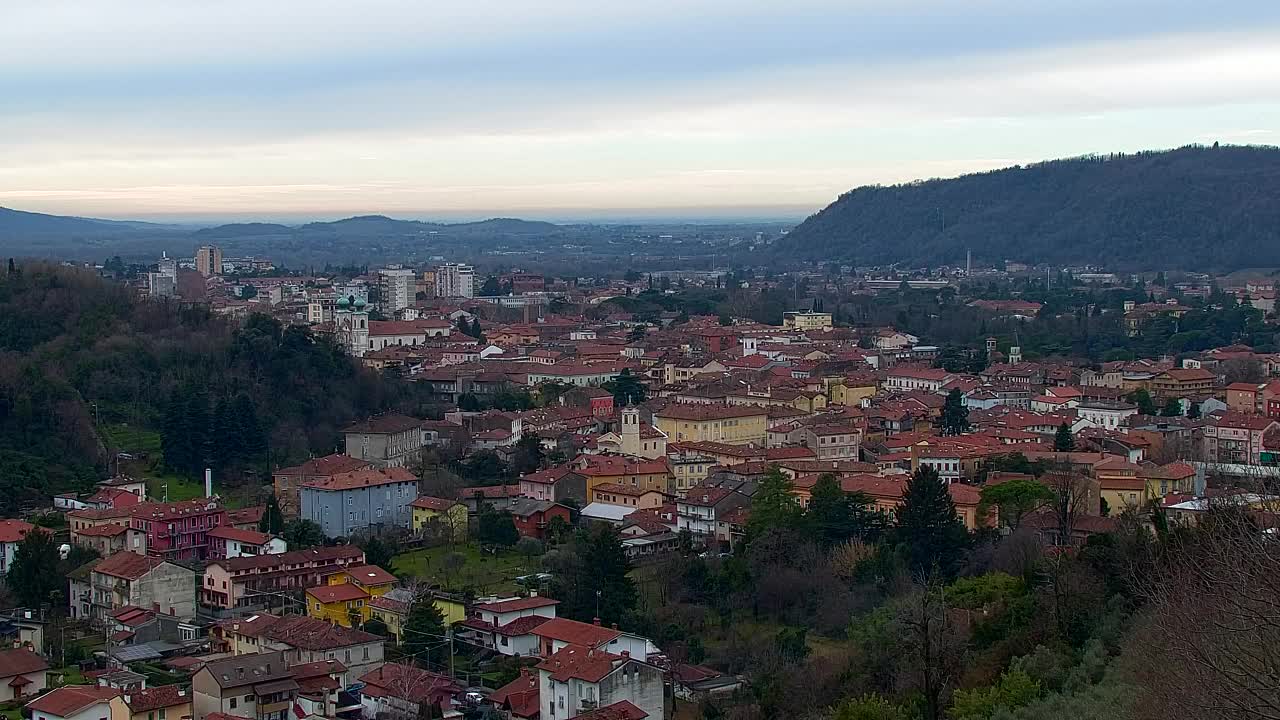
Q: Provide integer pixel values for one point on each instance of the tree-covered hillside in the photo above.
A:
(79, 355)
(1192, 208)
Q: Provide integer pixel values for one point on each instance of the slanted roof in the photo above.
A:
(577, 633)
(19, 662)
(69, 700)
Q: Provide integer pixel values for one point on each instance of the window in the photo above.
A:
(248, 698)
(232, 704)
(347, 657)
(366, 657)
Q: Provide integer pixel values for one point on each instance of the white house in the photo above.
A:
(11, 533)
(509, 626)
(74, 702)
(1103, 414)
(576, 680)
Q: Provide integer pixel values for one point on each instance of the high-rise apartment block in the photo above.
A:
(455, 280)
(209, 260)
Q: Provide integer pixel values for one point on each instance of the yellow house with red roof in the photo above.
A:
(345, 599)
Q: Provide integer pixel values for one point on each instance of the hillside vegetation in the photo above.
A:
(1193, 208)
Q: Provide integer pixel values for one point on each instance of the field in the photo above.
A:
(145, 446)
(479, 570)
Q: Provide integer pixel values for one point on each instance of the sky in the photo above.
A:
(565, 109)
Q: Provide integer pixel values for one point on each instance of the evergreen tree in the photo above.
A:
(476, 331)
(496, 528)
(598, 583)
(198, 442)
(928, 526)
(627, 389)
(1172, 408)
(248, 431)
(774, 505)
(423, 633)
(1193, 410)
(835, 516)
(272, 519)
(34, 576)
(1142, 398)
(173, 434)
(226, 446)
(955, 416)
(303, 534)
(379, 552)
(1063, 440)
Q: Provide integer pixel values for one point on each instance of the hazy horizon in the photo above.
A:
(568, 109)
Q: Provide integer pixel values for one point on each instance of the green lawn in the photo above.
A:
(136, 440)
(71, 675)
(481, 571)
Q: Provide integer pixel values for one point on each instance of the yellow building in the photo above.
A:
(807, 320)
(393, 611)
(851, 391)
(629, 471)
(162, 702)
(345, 600)
(440, 516)
(731, 424)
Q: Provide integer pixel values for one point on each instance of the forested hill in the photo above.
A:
(82, 360)
(1193, 208)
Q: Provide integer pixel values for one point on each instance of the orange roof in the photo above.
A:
(426, 502)
(576, 633)
(365, 477)
(69, 700)
(346, 592)
(578, 662)
(127, 565)
(370, 575)
(699, 411)
(14, 530)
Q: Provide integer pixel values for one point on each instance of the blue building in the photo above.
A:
(368, 499)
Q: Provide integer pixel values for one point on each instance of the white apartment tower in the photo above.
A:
(398, 291)
(455, 280)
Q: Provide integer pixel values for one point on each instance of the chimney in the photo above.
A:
(533, 593)
(182, 693)
(208, 482)
(626, 653)
(128, 699)
(596, 621)
(614, 626)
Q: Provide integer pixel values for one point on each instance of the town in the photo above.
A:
(618, 497)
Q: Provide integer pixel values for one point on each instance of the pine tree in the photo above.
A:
(927, 524)
(423, 632)
(955, 416)
(199, 439)
(173, 434)
(774, 505)
(248, 431)
(34, 576)
(226, 445)
(272, 518)
(1063, 440)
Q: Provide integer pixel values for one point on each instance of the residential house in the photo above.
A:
(507, 626)
(393, 609)
(557, 483)
(532, 517)
(302, 640)
(127, 578)
(11, 533)
(386, 440)
(399, 692)
(359, 501)
(1182, 382)
(256, 580)
(621, 470)
(633, 498)
(558, 633)
(228, 542)
(75, 702)
(907, 377)
(110, 538)
(347, 593)
(731, 424)
(162, 702)
(1236, 438)
(577, 681)
(518, 698)
(288, 481)
(439, 518)
(178, 530)
(703, 512)
(319, 685)
(22, 673)
(259, 686)
(832, 441)
(1103, 414)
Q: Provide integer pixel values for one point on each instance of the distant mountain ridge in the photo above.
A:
(1193, 208)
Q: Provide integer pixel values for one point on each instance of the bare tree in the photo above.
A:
(1074, 495)
(933, 645)
(1211, 640)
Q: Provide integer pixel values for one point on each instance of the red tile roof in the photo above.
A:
(426, 502)
(327, 465)
(365, 477)
(105, 530)
(71, 699)
(127, 565)
(370, 575)
(577, 633)
(699, 411)
(579, 662)
(14, 530)
(346, 592)
(621, 710)
(520, 696)
(154, 698)
(390, 423)
(20, 662)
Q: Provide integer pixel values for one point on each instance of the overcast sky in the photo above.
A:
(563, 108)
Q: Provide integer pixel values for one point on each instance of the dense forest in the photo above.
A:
(1190, 208)
(80, 356)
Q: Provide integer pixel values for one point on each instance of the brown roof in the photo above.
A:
(71, 699)
(127, 565)
(105, 530)
(390, 423)
(20, 662)
(14, 530)
(520, 696)
(324, 555)
(370, 575)
(320, 667)
(327, 465)
(154, 698)
(344, 592)
(364, 477)
(409, 683)
(426, 502)
(253, 669)
(621, 710)
(578, 662)
(577, 633)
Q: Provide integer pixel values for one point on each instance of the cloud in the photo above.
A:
(149, 106)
